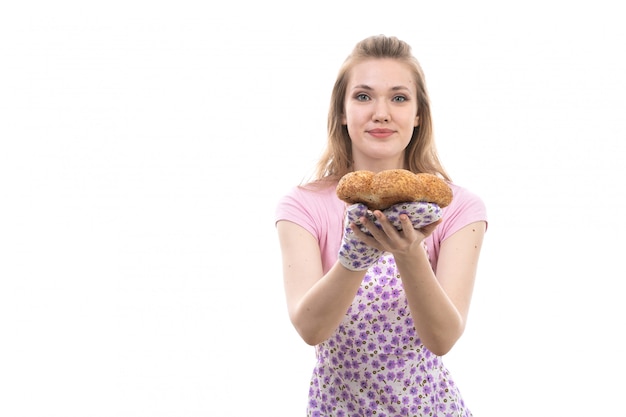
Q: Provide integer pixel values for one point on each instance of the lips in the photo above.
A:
(380, 133)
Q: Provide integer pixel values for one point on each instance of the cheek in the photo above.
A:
(355, 115)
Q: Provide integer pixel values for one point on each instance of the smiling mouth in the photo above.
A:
(380, 133)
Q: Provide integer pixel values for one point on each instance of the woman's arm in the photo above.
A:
(439, 304)
(316, 302)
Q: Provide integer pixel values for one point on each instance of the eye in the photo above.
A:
(399, 99)
(362, 97)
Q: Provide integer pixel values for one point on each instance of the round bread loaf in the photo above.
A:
(381, 190)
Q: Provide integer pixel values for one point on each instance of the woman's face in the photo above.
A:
(380, 113)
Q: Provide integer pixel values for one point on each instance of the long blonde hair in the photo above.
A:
(421, 154)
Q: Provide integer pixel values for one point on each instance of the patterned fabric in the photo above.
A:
(356, 255)
(375, 364)
(353, 253)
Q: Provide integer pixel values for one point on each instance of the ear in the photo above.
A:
(344, 121)
(417, 121)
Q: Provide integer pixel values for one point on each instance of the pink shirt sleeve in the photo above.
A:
(319, 212)
(465, 208)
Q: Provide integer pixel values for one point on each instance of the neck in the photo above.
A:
(377, 166)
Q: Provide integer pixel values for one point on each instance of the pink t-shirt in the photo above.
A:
(321, 213)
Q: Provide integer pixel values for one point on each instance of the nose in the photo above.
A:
(381, 112)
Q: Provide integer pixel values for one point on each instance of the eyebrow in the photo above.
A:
(367, 87)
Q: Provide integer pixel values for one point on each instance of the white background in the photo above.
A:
(144, 146)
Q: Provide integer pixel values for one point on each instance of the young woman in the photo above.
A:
(379, 334)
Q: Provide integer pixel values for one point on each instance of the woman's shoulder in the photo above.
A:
(466, 200)
(311, 205)
(461, 190)
(312, 196)
(313, 190)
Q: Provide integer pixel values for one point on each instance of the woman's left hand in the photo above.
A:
(398, 239)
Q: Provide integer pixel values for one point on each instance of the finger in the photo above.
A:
(364, 237)
(372, 228)
(406, 225)
(384, 224)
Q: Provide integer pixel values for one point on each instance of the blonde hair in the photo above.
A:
(421, 153)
